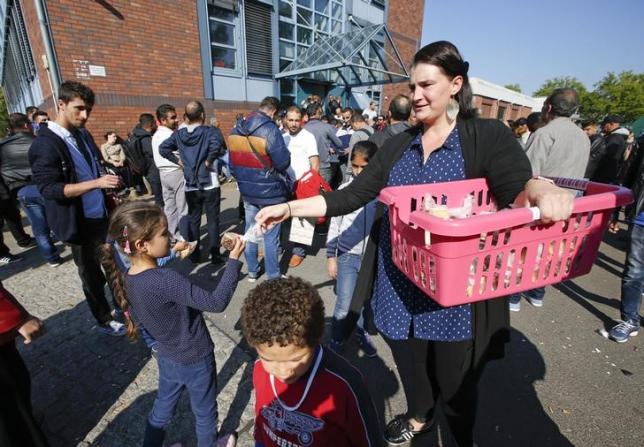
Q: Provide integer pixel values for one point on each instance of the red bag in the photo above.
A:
(311, 184)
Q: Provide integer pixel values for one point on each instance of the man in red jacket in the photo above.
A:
(17, 424)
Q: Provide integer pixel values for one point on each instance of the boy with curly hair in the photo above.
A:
(305, 395)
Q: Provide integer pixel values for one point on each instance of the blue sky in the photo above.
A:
(527, 42)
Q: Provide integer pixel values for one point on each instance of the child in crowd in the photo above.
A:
(345, 245)
(169, 306)
(304, 395)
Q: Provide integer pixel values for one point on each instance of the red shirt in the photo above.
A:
(337, 410)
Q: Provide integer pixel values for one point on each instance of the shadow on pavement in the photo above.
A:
(584, 298)
(78, 374)
(510, 412)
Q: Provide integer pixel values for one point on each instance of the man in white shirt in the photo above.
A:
(172, 180)
(370, 112)
(304, 156)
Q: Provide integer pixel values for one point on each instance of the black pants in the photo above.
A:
(17, 424)
(152, 175)
(86, 258)
(429, 369)
(10, 214)
(197, 202)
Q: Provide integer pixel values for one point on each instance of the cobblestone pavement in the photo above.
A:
(561, 383)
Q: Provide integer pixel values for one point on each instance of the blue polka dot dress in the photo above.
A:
(401, 310)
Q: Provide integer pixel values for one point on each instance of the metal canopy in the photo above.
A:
(366, 56)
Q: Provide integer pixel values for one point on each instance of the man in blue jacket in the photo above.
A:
(259, 160)
(65, 167)
(198, 146)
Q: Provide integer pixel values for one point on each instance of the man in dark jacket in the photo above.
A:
(615, 139)
(142, 135)
(65, 166)
(16, 174)
(259, 161)
(597, 147)
(398, 115)
(199, 146)
(328, 145)
(633, 275)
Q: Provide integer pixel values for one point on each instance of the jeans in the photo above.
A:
(200, 379)
(34, 206)
(348, 268)
(633, 277)
(271, 246)
(537, 294)
(327, 173)
(197, 201)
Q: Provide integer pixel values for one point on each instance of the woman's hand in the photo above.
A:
(554, 203)
(31, 329)
(332, 267)
(238, 249)
(270, 216)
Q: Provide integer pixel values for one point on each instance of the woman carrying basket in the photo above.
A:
(438, 351)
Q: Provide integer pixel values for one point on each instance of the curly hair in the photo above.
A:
(284, 312)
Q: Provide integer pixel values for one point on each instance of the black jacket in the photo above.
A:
(14, 160)
(597, 152)
(634, 180)
(608, 166)
(491, 151)
(52, 168)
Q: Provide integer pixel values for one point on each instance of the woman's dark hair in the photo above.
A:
(110, 132)
(365, 148)
(446, 56)
(283, 312)
(132, 221)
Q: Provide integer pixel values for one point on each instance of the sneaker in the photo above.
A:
(9, 259)
(515, 307)
(536, 302)
(55, 263)
(622, 331)
(252, 278)
(228, 440)
(295, 261)
(367, 345)
(113, 328)
(400, 431)
(118, 315)
(31, 242)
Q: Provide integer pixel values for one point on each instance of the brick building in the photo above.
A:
(494, 101)
(138, 55)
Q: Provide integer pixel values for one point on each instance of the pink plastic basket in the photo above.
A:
(459, 261)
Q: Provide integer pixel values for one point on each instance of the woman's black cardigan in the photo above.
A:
(489, 150)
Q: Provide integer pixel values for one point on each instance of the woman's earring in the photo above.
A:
(452, 109)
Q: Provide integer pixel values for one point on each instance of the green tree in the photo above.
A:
(561, 82)
(4, 115)
(514, 87)
(619, 94)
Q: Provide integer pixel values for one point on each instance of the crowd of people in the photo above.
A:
(298, 171)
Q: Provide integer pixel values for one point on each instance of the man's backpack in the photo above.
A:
(136, 159)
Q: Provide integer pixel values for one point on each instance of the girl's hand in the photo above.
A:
(31, 329)
(332, 267)
(180, 246)
(238, 249)
(270, 216)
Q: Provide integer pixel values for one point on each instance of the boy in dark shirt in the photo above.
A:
(304, 395)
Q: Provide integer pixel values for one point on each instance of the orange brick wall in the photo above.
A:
(405, 24)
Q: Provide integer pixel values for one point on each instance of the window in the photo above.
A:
(259, 41)
(286, 9)
(500, 115)
(222, 20)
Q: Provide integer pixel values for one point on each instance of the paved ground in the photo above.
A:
(561, 384)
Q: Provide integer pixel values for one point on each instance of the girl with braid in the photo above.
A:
(169, 307)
